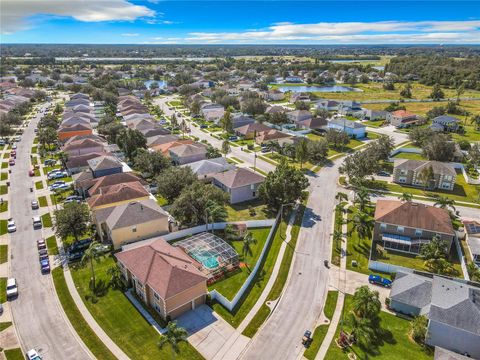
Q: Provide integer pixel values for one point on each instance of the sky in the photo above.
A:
(239, 22)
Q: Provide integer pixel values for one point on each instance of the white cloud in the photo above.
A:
(16, 14)
(383, 32)
(130, 34)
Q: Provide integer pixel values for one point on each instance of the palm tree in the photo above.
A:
(362, 330)
(183, 127)
(93, 252)
(444, 202)
(248, 240)
(174, 335)
(116, 277)
(407, 197)
(362, 197)
(214, 212)
(301, 152)
(341, 196)
(173, 121)
(225, 147)
(475, 120)
(362, 223)
(289, 150)
(366, 303)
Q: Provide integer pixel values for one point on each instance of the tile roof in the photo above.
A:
(414, 215)
(188, 149)
(134, 213)
(402, 113)
(250, 128)
(117, 193)
(210, 166)
(165, 268)
(238, 177)
(104, 162)
(113, 179)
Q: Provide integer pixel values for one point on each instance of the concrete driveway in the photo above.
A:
(207, 331)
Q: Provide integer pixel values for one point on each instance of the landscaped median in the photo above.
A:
(91, 340)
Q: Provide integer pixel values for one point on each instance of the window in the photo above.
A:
(134, 229)
(253, 194)
(383, 226)
(418, 232)
(400, 229)
(402, 179)
(448, 178)
(155, 295)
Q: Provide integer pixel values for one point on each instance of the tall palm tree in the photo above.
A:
(337, 236)
(407, 197)
(214, 212)
(93, 253)
(174, 335)
(225, 147)
(341, 196)
(362, 223)
(248, 240)
(362, 330)
(301, 152)
(116, 277)
(444, 202)
(366, 303)
(362, 197)
(183, 127)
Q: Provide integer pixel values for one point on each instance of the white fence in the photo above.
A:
(387, 268)
(461, 256)
(230, 305)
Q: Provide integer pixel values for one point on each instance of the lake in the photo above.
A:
(306, 88)
(161, 83)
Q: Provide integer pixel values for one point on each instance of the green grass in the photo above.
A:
(34, 149)
(3, 189)
(410, 156)
(88, 336)
(229, 286)
(3, 227)
(255, 290)
(121, 320)
(39, 185)
(5, 325)
(237, 160)
(3, 254)
(394, 342)
(42, 201)
(259, 171)
(5, 165)
(321, 330)
(241, 211)
(357, 249)
(281, 279)
(4, 206)
(3, 176)
(3, 290)
(337, 245)
(52, 245)
(14, 354)
(46, 220)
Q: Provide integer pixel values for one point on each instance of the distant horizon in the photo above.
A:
(256, 45)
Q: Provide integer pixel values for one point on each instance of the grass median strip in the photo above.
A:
(39, 185)
(14, 354)
(46, 220)
(3, 254)
(3, 206)
(91, 340)
(42, 201)
(5, 325)
(277, 288)
(52, 245)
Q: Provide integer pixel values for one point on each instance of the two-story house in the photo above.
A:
(411, 172)
(241, 184)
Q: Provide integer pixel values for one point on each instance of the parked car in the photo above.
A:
(42, 252)
(203, 126)
(307, 338)
(13, 153)
(33, 355)
(41, 244)
(383, 173)
(45, 266)
(37, 222)
(14, 146)
(49, 162)
(2, 142)
(57, 175)
(11, 162)
(378, 280)
(233, 138)
(76, 256)
(80, 245)
(34, 204)
(63, 187)
(11, 227)
(73, 198)
(12, 289)
(31, 173)
(56, 185)
(265, 149)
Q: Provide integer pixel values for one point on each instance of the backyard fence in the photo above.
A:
(461, 256)
(387, 268)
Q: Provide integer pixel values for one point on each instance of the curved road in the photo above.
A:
(36, 312)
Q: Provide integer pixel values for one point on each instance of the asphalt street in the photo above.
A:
(37, 313)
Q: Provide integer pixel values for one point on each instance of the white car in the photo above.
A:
(11, 227)
(33, 355)
(12, 290)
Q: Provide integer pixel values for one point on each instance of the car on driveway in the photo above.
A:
(73, 198)
(383, 173)
(12, 289)
(11, 227)
(34, 204)
(14, 146)
(378, 280)
(56, 185)
(57, 175)
(33, 355)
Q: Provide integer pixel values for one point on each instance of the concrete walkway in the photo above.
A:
(236, 343)
(341, 285)
(119, 354)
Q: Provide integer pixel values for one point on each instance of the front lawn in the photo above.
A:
(121, 320)
(393, 342)
(4, 176)
(3, 206)
(52, 245)
(249, 210)
(410, 156)
(4, 165)
(3, 290)
(88, 336)
(357, 249)
(3, 254)
(3, 227)
(3, 189)
(42, 201)
(39, 185)
(229, 286)
(46, 220)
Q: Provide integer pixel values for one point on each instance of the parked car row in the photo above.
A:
(43, 256)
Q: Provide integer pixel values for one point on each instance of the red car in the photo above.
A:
(11, 162)
(31, 173)
(13, 153)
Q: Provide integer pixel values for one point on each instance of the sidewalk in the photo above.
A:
(237, 343)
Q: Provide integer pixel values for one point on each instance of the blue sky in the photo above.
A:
(239, 22)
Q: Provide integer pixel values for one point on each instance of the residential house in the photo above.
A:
(352, 128)
(164, 277)
(275, 109)
(313, 124)
(82, 146)
(187, 153)
(299, 96)
(271, 135)
(118, 194)
(239, 119)
(472, 238)
(78, 163)
(445, 123)
(205, 169)
(250, 131)
(329, 105)
(274, 95)
(160, 140)
(368, 114)
(212, 112)
(87, 185)
(131, 222)
(451, 306)
(241, 184)
(406, 226)
(299, 115)
(105, 165)
(65, 132)
(165, 148)
(409, 172)
(402, 118)
(348, 107)
(245, 84)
